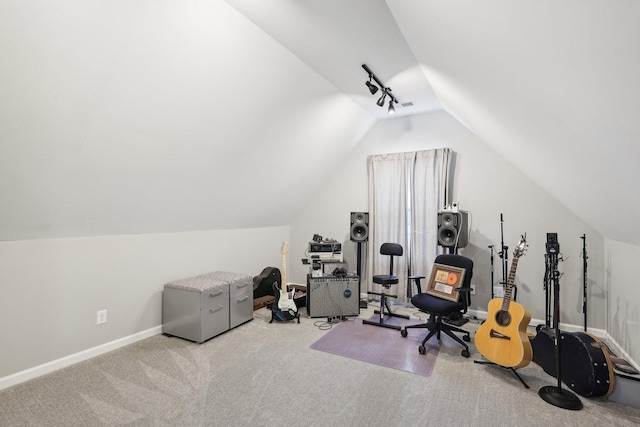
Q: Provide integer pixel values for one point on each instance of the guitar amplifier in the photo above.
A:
(332, 296)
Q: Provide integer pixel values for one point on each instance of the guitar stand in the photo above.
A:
(276, 317)
(483, 362)
(277, 313)
(381, 313)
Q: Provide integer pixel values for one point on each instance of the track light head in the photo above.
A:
(372, 88)
(391, 109)
(380, 101)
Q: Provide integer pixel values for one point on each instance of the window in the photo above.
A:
(406, 191)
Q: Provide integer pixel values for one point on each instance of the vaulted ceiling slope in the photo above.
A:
(156, 117)
(552, 86)
(145, 116)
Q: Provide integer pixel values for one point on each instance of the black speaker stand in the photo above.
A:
(363, 302)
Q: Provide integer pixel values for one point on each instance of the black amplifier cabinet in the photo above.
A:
(332, 296)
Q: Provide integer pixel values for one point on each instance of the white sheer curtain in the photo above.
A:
(430, 194)
(406, 190)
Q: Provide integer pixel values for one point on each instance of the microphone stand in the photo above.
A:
(556, 395)
(491, 258)
(584, 278)
(504, 255)
(547, 291)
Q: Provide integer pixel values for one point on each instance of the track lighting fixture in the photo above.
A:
(372, 88)
(386, 91)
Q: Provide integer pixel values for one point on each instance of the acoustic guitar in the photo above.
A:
(285, 306)
(502, 338)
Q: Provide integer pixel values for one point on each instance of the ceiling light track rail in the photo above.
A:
(386, 91)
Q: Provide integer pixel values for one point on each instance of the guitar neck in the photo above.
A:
(509, 288)
(284, 272)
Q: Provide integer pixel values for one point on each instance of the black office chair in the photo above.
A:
(444, 313)
(386, 280)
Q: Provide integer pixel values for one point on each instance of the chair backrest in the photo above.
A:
(391, 249)
(461, 262)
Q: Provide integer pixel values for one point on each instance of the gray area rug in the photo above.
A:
(381, 346)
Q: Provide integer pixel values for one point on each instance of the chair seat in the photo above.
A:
(385, 279)
(431, 304)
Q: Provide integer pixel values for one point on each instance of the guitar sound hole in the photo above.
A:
(503, 318)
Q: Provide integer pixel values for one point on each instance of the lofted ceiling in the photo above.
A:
(116, 118)
(336, 37)
(551, 86)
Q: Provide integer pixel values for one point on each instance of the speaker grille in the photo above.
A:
(447, 236)
(453, 226)
(359, 231)
(333, 296)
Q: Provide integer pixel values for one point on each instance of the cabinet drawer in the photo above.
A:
(241, 309)
(214, 296)
(240, 288)
(214, 320)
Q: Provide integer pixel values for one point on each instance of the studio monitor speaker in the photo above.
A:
(453, 229)
(359, 230)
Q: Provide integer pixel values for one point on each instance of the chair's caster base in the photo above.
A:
(403, 332)
(466, 339)
(422, 349)
(466, 353)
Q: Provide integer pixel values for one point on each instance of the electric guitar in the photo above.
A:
(502, 338)
(285, 306)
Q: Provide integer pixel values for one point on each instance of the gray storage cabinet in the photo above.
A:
(240, 296)
(199, 308)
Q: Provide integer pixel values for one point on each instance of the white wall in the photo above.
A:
(117, 117)
(623, 294)
(485, 185)
(52, 289)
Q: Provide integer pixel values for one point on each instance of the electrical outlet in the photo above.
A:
(101, 317)
(473, 290)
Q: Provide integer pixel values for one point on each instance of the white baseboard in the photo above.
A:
(620, 352)
(45, 368)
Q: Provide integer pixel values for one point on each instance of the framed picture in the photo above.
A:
(444, 280)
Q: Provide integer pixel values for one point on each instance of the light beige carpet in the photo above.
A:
(263, 374)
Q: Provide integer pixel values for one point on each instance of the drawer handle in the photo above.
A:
(243, 298)
(214, 309)
(242, 285)
(215, 294)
